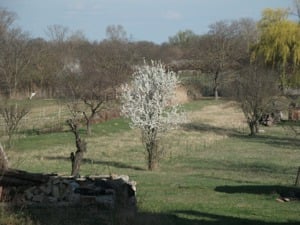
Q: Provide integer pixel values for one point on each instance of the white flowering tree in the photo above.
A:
(147, 102)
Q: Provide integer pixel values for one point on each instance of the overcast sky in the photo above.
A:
(151, 20)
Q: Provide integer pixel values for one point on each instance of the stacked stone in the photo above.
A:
(105, 191)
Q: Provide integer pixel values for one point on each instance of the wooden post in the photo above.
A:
(297, 182)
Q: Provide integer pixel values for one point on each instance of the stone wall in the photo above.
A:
(65, 198)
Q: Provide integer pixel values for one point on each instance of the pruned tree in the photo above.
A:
(95, 102)
(107, 70)
(81, 145)
(92, 75)
(256, 91)
(147, 102)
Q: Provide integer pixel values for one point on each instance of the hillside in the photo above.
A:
(212, 172)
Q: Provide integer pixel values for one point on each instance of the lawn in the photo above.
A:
(212, 172)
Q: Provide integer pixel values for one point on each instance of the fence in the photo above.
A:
(42, 119)
(50, 116)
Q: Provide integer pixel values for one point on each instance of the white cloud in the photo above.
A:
(84, 7)
(172, 15)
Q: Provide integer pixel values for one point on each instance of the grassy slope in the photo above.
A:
(212, 172)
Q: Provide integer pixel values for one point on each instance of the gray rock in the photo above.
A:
(38, 198)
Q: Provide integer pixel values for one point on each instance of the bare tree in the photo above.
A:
(93, 74)
(57, 33)
(103, 73)
(116, 33)
(146, 101)
(256, 90)
(95, 102)
(225, 49)
(15, 54)
(12, 114)
(6, 20)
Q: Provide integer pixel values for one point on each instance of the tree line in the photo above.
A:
(254, 63)
(240, 58)
(28, 65)
(56, 67)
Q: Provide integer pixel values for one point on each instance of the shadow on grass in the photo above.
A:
(283, 191)
(202, 127)
(99, 162)
(96, 216)
(276, 141)
(192, 217)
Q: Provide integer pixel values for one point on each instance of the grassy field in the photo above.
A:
(212, 172)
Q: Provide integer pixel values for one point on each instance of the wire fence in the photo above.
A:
(47, 116)
(41, 120)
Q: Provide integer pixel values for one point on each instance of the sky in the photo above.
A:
(150, 20)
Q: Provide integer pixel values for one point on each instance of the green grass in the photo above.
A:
(111, 127)
(212, 172)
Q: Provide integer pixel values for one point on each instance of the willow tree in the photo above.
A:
(279, 45)
(147, 103)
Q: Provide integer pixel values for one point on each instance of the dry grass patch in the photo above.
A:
(206, 127)
(181, 142)
(227, 115)
(54, 159)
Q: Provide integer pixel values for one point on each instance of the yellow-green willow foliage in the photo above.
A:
(279, 43)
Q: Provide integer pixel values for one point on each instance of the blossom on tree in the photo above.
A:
(147, 102)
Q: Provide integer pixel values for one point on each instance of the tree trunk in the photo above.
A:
(150, 161)
(3, 159)
(216, 85)
(256, 127)
(76, 158)
(152, 150)
(216, 93)
(88, 127)
(252, 127)
(9, 140)
(297, 182)
(149, 138)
